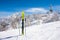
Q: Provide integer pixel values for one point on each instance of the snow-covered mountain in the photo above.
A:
(15, 19)
(45, 26)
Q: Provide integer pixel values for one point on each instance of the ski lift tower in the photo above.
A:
(51, 10)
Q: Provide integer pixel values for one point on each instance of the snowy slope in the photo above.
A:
(48, 31)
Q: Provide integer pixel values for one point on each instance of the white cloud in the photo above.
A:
(3, 13)
(36, 10)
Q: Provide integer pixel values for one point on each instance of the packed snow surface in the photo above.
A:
(46, 31)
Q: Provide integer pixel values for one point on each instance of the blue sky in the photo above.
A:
(11, 6)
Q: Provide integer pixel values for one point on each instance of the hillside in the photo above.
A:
(48, 31)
